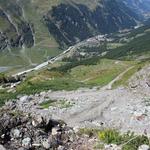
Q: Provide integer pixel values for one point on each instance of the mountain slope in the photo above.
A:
(78, 22)
(140, 6)
(15, 30)
(138, 45)
(33, 31)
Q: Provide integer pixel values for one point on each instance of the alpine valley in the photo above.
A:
(33, 31)
(74, 74)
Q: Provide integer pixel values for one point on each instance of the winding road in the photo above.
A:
(51, 61)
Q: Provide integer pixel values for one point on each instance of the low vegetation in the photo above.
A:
(134, 47)
(32, 87)
(2, 77)
(74, 63)
(101, 73)
(124, 79)
(147, 101)
(5, 96)
(56, 103)
(127, 141)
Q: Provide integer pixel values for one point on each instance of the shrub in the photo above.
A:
(129, 141)
(68, 66)
(136, 142)
(110, 136)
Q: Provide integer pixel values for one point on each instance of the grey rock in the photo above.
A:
(53, 140)
(11, 104)
(21, 148)
(61, 147)
(36, 145)
(46, 144)
(16, 133)
(37, 121)
(43, 93)
(2, 147)
(26, 142)
(24, 99)
(76, 129)
(144, 147)
(55, 130)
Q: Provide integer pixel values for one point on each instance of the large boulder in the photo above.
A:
(46, 144)
(144, 147)
(26, 143)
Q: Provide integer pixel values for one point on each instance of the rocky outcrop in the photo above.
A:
(10, 79)
(15, 31)
(20, 131)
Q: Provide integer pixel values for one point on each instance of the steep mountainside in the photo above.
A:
(78, 22)
(16, 31)
(141, 6)
(31, 31)
(135, 45)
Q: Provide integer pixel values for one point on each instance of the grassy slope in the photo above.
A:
(125, 141)
(124, 80)
(45, 45)
(138, 44)
(137, 48)
(102, 72)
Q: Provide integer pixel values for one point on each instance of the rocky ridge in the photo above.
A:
(19, 131)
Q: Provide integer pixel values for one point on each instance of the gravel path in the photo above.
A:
(109, 85)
